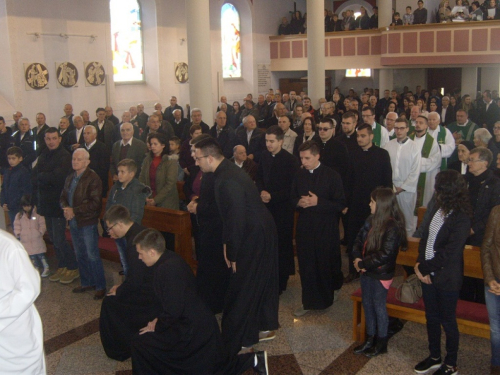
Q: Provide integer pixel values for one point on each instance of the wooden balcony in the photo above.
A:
(452, 44)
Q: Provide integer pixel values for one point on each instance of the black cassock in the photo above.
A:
(212, 276)
(251, 241)
(133, 306)
(186, 339)
(317, 236)
(275, 175)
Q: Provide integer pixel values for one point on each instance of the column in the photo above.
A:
(315, 51)
(384, 12)
(469, 81)
(385, 80)
(199, 57)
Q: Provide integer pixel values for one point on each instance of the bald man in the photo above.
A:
(241, 159)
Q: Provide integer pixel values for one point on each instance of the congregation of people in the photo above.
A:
(352, 170)
(460, 11)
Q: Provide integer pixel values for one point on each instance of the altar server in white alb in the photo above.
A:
(21, 335)
(405, 161)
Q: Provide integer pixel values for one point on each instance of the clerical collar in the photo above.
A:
(403, 141)
(312, 170)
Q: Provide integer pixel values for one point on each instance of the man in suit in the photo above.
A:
(16, 116)
(39, 133)
(110, 116)
(86, 117)
(169, 111)
(128, 147)
(64, 129)
(291, 103)
(196, 119)
(154, 126)
(99, 156)
(125, 119)
(251, 137)
(447, 112)
(488, 111)
(179, 124)
(142, 118)
(68, 113)
(105, 128)
(348, 23)
(75, 138)
(242, 161)
(225, 136)
(25, 140)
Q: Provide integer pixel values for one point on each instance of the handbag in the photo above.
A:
(410, 291)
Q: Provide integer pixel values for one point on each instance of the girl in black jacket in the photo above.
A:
(375, 252)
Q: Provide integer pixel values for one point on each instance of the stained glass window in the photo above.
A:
(126, 41)
(231, 42)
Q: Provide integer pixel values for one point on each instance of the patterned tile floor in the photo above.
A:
(317, 343)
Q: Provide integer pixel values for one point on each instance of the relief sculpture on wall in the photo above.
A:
(36, 76)
(94, 73)
(67, 74)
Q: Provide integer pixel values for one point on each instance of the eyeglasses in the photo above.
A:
(111, 227)
(198, 158)
(324, 129)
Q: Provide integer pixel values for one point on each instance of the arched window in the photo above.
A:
(231, 42)
(126, 41)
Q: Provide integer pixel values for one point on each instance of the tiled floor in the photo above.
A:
(317, 343)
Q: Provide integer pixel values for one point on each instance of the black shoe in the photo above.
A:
(83, 289)
(446, 370)
(427, 364)
(351, 277)
(395, 325)
(379, 348)
(261, 366)
(368, 344)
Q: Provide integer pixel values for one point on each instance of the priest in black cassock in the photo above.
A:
(318, 195)
(129, 306)
(250, 248)
(370, 168)
(276, 171)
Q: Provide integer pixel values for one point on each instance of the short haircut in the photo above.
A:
(129, 164)
(16, 151)
(397, 14)
(299, 105)
(194, 128)
(198, 138)
(424, 117)
(312, 146)
(306, 98)
(92, 128)
(462, 110)
(100, 109)
(176, 140)
(150, 239)
(349, 114)
(176, 110)
(118, 214)
(483, 153)
(51, 130)
(277, 131)
(401, 119)
(368, 128)
(372, 111)
(2, 119)
(82, 151)
(196, 110)
(209, 146)
(483, 134)
(408, 7)
(329, 121)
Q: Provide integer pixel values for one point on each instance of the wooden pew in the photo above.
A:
(477, 326)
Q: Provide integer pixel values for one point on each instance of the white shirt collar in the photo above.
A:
(90, 145)
(128, 143)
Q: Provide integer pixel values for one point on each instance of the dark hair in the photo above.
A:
(397, 14)
(476, 3)
(198, 138)
(99, 110)
(313, 122)
(162, 138)
(194, 128)
(349, 114)
(329, 121)
(277, 131)
(51, 130)
(312, 146)
(175, 139)
(14, 150)
(117, 214)
(368, 127)
(209, 146)
(368, 108)
(26, 201)
(150, 239)
(408, 7)
(401, 119)
(425, 118)
(452, 193)
(239, 105)
(2, 119)
(129, 164)
(484, 154)
(388, 214)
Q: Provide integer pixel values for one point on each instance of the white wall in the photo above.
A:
(409, 77)
(490, 78)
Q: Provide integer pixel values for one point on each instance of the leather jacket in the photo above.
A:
(379, 263)
(490, 250)
(87, 200)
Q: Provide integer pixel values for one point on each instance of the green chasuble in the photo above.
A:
(441, 140)
(426, 151)
(467, 131)
(377, 134)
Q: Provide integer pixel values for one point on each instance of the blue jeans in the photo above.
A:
(493, 306)
(121, 244)
(56, 227)
(85, 242)
(440, 310)
(37, 259)
(374, 297)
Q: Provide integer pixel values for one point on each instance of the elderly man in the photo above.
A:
(49, 174)
(169, 111)
(128, 147)
(249, 109)
(99, 156)
(380, 134)
(65, 129)
(126, 117)
(443, 136)
(25, 140)
(279, 110)
(430, 164)
(251, 137)
(68, 113)
(390, 121)
(142, 118)
(241, 160)
(414, 113)
(225, 136)
(105, 128)
(179, 124)
(447, 113)
(81, 202)
(110, 116)
(289, 135)
(86, 117)
(16, 116)
(405, 161)
(39, 132)
(154, 126)
(75, 138)
(196, 119)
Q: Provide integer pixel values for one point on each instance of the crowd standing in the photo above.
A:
(368, 160)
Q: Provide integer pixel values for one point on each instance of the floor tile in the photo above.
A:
(78, 360)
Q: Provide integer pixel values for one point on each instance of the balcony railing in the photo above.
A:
(449, 44)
